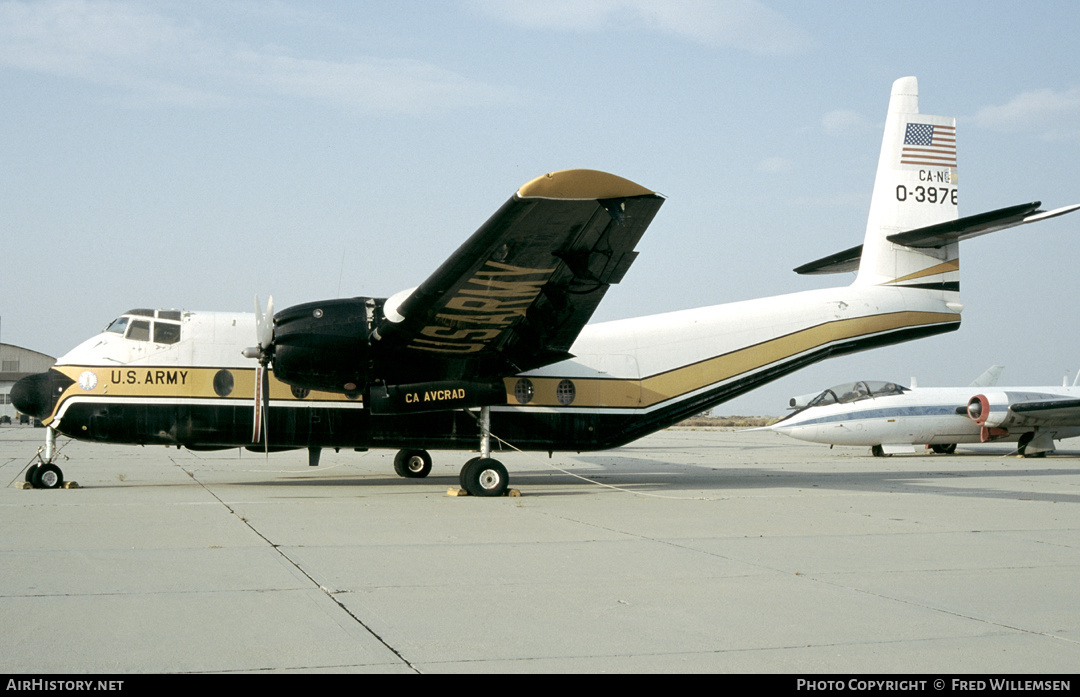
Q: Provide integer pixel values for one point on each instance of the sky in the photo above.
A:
(195, 154)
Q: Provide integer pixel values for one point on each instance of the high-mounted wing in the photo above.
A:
(516, 294)
(941, 234)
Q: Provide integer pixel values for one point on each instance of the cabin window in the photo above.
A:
(169, 314)
(166, 333)
(139, 330)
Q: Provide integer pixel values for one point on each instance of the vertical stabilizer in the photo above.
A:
(916, 186)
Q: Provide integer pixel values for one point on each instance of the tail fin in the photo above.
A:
(913, 231)
(915, 187)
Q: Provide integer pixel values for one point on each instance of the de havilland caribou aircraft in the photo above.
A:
(494, 344)
(891, 418)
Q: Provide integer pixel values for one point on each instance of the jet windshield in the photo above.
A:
(160, 326)
(854, 391)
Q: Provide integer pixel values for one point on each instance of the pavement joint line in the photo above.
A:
(322, 589)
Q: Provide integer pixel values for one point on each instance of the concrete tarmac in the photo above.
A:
(688, 551)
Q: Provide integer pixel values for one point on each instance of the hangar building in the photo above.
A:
(15, 364)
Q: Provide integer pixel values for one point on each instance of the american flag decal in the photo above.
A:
(928, 144)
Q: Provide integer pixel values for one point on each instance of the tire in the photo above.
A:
(412, 464)
(464, 469)
(30, 472)
(944, 449)
(877, 451)
(48, 477)
(1022, 443)
(484, 477)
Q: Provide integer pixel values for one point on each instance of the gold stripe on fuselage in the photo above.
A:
(172, 382)
(641, 393)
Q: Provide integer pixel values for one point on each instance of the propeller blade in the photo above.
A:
(264, 331)
(256, 433)
(265, 324)
(265, 389)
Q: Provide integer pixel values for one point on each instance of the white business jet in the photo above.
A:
(893, 419)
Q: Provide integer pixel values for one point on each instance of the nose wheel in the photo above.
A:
(46, 475)
(412, 464)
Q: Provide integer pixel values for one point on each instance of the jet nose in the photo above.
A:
(36, 395)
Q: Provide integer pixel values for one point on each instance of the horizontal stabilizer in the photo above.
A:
(941, 234)
(847, 260)
(969, 226)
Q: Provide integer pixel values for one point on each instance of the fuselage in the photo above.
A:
(628, 377)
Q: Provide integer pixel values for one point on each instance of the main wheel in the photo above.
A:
(484, 477)
(1022, 443)
(30, 472)
(944, 448)
(878, 451)
(412, 464)
(48, 476)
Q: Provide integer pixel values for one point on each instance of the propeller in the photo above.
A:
(264, 352)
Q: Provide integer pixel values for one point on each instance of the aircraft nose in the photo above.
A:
(36, 395)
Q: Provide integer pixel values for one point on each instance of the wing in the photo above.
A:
(1047, 412)
(516, 294)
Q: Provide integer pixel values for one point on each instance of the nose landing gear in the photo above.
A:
(45, 474)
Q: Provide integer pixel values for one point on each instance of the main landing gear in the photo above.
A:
(46, 475)
(481, 476)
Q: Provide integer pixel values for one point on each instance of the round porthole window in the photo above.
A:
(223, 383)
(523, 391)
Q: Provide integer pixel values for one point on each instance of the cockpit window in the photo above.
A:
(139, 330)
(118, 325)
(855, 391)
(166, 332)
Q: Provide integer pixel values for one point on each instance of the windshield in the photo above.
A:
(118, 325)
(854, 391)
(161, 326)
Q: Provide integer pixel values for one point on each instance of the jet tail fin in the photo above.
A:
(989, 377)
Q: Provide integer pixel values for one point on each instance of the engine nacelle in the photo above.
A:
(982, 411)
(324, 345)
